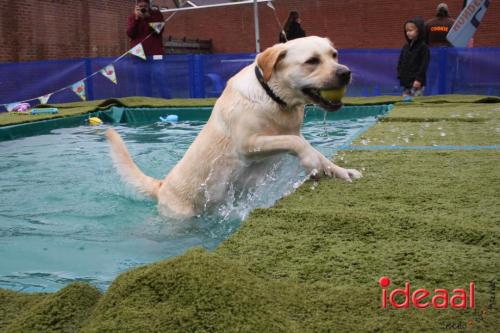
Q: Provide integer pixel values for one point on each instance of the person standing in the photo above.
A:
(138, 28)
(413, 59)
(438, 27)
(150, 75)
(292, 28)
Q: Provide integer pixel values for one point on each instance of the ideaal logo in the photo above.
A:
(422, 298)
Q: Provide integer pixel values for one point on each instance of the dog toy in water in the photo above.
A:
(93, 121)
(171, 118)
(333, 94)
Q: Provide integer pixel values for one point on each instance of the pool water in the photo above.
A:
(66, 216)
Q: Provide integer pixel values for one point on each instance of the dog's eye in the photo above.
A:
(313, 61)
(335, 55)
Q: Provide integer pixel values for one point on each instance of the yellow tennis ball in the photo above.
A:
(333, 94)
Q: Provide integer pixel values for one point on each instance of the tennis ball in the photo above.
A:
(333, 94)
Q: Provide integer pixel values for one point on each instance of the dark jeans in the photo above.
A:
(150, 76)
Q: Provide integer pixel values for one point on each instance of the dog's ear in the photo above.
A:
(268, 59)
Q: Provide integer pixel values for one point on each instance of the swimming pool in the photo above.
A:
(66, 216)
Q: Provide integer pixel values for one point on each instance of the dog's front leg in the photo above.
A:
(312, 160)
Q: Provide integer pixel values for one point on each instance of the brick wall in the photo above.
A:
(58, 29)
(349, 23)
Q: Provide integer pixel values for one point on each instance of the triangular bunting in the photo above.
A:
(138, 51)
(157, 26)
(270, 5)
(44, 99)
(109, 72)
(79, 89)
(11, 106)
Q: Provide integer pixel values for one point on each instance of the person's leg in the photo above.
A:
(159, 78)
(148, 77)
(142, 79)
(418, 92)
(407, 92)
(140, 76)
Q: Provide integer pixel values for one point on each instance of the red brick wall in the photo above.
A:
(348, 23)
(58, 29)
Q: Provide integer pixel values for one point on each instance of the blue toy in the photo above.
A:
(45, 110)
(171, 118)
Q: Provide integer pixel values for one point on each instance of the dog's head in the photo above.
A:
(299, 70)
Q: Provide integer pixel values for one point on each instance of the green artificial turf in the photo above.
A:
(465, 112)
(436, 125)
(13, 303)
(311, 263)
(431, 134)
(64, 311)
(78, 108)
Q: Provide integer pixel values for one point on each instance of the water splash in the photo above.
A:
(314, 185)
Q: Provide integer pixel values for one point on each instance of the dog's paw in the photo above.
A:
(347, 174)
(316, 164)
(354, 174)
(342, 173)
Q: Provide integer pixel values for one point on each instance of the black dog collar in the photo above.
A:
(268, 90)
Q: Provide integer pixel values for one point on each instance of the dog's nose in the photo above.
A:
(344, 75)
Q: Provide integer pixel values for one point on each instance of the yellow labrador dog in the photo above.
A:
(259, 114)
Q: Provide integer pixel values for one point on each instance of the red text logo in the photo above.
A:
(422, 298)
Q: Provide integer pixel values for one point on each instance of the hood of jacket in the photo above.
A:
(419, 23)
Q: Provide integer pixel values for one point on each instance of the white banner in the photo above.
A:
(79, 89)
(109, 72)
(157, 26)
(138, 51)
(467, 22)
(44, 99)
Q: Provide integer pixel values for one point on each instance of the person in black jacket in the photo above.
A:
(438, 27)
(414, 59)
(292, 28)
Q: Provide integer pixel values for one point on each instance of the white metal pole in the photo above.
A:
(223, 4)
(256, 23)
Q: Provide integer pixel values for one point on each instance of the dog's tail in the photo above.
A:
(127, 169)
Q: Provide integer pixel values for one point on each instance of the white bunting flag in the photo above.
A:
(270, 5)
(138, 51)
(157, 26)
(79, 89)
(109, 72)
(12, 106)
(44, 99)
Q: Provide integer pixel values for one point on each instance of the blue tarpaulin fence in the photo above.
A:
(452, 70)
